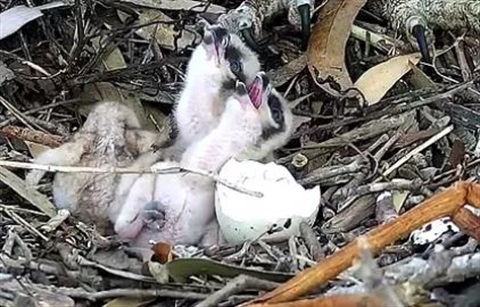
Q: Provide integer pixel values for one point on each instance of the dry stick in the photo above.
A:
(310, 238)
(419, 149)
(236, 285)
(443, 204)
(343, 300)
(129, 170)
(468, 222)
(35, 136)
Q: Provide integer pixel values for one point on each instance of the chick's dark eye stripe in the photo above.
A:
(274, 104)
(232, 54)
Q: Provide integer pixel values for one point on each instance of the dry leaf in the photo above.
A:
(399, 198)
(15, 18)
(182, 268)
(36, 149)
(5, 73)
(159, 271)
(164, 33)
(418, 78)
(283, 74)
(326, 49)
(457, 155)
(376, 81)
(29, 193)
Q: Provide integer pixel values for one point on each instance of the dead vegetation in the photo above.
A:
(391, 140)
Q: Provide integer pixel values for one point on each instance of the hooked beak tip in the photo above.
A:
(420, 36)
(248, 36)
(305, 18)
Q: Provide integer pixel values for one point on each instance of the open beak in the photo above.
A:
(259, 89)
(418, 32)
(215, 42)
(305, 19)
(242, 93)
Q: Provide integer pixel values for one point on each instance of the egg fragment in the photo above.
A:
(243, 217)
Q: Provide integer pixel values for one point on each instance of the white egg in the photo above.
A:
(244, 217)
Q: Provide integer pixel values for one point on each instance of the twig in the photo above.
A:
(468, 222)
(137, 293)
(26, 134)
(129, 170)
(417, 150)
(310, 238)
(236, 285)
(332, 171)
(17, 218)
(398, 184)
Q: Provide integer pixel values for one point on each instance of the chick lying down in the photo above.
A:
(110, 137)
(285, 203)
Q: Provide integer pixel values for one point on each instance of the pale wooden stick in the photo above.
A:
(129, 170)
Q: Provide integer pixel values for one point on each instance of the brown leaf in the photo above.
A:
(326, 50)
(419, 79)
(457, 154)
(378, 80)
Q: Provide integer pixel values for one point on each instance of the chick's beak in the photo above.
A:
(242, 93)
(256, 90)
(215, 42)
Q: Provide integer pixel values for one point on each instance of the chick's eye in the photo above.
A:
(226, 41)
(277, 115)
(235, 66)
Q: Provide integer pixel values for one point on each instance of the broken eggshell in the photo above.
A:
(244, 217)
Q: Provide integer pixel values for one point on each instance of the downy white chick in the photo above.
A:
(187, 200)
(110, 137)
(215, 65)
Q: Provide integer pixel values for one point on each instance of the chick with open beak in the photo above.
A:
(276, 119)
(214, 67)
